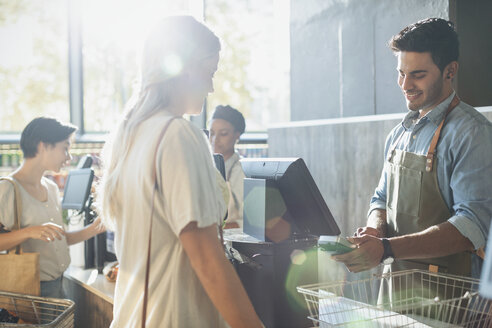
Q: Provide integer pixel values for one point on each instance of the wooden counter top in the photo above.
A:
(92, 281)
(93, 295)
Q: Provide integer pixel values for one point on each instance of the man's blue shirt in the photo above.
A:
(463, 164)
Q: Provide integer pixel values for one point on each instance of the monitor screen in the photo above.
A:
(77, 189)
(307, 210)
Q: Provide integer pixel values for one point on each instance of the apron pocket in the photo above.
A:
(393, 185)
(409, 192)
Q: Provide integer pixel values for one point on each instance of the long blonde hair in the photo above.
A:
(174, 44)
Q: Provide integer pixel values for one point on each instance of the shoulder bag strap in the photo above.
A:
(147, 269)
(17, 208)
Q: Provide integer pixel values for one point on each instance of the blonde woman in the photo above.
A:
(191, 283)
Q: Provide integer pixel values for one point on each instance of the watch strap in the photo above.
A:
(387, 251)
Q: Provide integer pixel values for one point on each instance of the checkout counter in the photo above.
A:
(83, 281)
(93, 295)
(270, 273)
(284, 215)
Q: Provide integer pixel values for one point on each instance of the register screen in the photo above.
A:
(77, 189)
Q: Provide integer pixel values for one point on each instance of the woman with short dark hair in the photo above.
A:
(45, 143)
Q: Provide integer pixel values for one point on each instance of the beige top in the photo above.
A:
(188, 192)
(235, 181)
(54, 257)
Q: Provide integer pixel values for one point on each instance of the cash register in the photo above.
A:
(77, 196)
(284, 215)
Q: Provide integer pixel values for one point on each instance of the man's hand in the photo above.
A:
(363, 231)
(366, 256)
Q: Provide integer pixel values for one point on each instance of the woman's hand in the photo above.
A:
(46, 232)
(97, 226)
(89, 231)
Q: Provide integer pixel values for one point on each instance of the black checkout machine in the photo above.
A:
(284, 216)
(77, 196)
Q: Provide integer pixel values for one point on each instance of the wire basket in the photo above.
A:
(411, 298)
(37, 311)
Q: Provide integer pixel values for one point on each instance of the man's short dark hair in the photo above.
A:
(434, 35)
(43, 129)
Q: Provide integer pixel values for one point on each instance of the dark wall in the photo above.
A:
(341, 65)
(473, 21)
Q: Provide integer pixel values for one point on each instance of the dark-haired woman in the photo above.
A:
(226, 127)
(45, 143)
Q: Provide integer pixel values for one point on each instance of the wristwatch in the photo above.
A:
(388, 256)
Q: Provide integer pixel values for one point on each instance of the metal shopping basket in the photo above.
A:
(412, 298)
(38, 311)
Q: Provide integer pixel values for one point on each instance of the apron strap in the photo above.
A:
(432, 148)
(393, 146)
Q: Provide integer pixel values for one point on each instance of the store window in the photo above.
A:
(254, 68)
(253, 73)
(112, 34)
(33, 62)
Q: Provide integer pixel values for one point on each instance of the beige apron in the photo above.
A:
(414, 203)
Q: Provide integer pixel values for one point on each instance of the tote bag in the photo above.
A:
(19, 271)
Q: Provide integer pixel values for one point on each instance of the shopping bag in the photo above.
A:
(19, 271)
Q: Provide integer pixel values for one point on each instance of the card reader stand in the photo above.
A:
(89, 245)
(94, 248)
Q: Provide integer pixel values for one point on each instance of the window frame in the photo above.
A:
(76, 89)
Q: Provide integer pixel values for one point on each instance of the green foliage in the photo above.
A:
(231, 82)
(10, 10)
(34, 76)
(108, 79)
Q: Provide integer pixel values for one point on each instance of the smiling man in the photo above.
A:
(433, 205)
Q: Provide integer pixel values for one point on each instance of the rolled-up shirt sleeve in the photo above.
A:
(378, 200)
(470, 183)
(470, 229)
